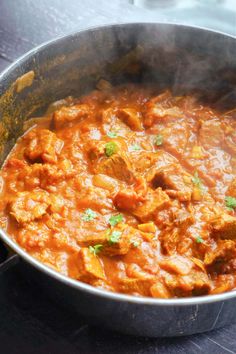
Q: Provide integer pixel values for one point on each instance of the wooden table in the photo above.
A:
(29, 322)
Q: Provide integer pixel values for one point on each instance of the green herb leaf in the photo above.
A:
(230, 202)
(89, 215)
(197, 181)
(135, 243)
(110, 148)
(112, 134)
(199, 239)
(115, 219)
(95, 249)
(158, 140)
(114, 237)
(135, 147)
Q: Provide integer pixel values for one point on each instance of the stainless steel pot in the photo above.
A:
(183, 58)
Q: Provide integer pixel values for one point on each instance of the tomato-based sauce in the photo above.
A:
(128, 189)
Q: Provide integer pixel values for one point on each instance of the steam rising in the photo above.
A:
(182, 58)
(186, 60)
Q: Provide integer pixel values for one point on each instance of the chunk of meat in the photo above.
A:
(160, 107)
(194, 284)
(170, 238)
(127, 199)
(94, 198)
(96, 149)
(57, 203)
(175, 225)
(228, 267)
(225, 250)
(133, 270)
(88, 266)
(34, 235)
(177, 264)
(122, 242)
(29, 206)
(102, 284)
(45, 175)
(223, 283)
(211, 133)
(14, 164)
(116, 166)
(173, 237)
(61, 240)
(98, 238)
(224, 226)
(131, 199)
(136, 286)
(159, 290)
(172, 177)
(175, 135)
(111, 122)
(66, 115)
(182, 218)
(131, 117)
(143, 160)
(154, 201)
(43, 145)
(54, 174)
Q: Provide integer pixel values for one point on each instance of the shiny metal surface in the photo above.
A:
(67, 66)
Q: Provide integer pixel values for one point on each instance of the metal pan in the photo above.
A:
(179, 57)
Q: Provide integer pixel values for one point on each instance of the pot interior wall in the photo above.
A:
(182, 58)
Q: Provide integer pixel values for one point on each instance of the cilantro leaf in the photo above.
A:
(135, 243)
(89, 215)
(199, 239)
(230, 202)
(112, 134)
(135, 147)
(197, 181)
(110, 148)
(115, 219)
(158, 140)
(114, 237)
(95, 249)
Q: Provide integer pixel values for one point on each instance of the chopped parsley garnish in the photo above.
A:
(115, 219)
(158, 140)
(114, 237)
(197, 181)
(135, 243)
(110, 148)
(135, 147)
(112, 134)
(199, 239)
(230, 202)
(95, 249)
(89, 215)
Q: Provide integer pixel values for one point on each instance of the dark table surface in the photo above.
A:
(29, 321)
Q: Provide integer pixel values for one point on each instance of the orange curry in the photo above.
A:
(128, 189)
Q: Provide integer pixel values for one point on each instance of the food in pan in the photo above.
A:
(128, 189)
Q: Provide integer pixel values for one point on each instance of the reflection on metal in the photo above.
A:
(12, 260)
